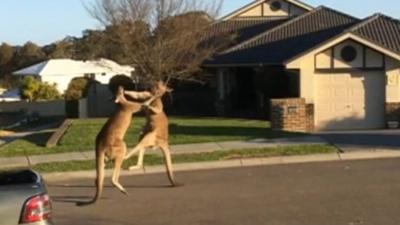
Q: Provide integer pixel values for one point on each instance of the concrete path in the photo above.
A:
(329, 193)
(370, 140)
(27, 161)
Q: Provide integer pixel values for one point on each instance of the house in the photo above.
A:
(12, 95)
(311, 68)
(62, 71)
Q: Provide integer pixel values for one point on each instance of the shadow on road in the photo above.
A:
(360, 139)
(110, 186)
(71, 199)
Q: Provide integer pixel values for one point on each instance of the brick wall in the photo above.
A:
(310, 117)
(292, 115)
(393, 111)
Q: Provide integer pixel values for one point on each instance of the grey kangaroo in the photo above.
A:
(110, 143)
(155, 133)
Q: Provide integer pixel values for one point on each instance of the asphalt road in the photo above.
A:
(339, 193)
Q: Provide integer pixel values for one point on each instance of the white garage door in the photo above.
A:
(347, 101)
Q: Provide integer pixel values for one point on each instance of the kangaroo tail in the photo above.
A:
(100, 164)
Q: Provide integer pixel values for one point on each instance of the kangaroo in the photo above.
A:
(155, 133)
(110, 143)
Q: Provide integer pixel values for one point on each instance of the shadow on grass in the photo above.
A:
(249, 132)
(38, 139)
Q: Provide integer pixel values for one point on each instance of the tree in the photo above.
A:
(6, 54)
(162, 39)
(29, 54)
(6, 64)
(91, 45)
(35, 90)
(61, 49)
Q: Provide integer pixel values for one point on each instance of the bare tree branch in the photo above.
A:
(162, 39)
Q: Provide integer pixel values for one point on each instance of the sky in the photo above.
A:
(46, 21)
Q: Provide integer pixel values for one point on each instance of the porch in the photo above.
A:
(246, 92)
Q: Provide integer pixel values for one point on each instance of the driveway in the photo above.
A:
(334, 193)
(364, 140)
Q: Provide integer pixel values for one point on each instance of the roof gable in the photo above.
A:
(261, 8)
(378, 32)
(381, 30)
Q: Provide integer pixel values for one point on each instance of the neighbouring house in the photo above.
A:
(12, 95)
(62, 71)
(311, 68)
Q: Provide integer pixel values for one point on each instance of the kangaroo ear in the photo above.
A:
(119, 93)
(120, 89)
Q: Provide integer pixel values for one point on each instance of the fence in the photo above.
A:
(50, 108)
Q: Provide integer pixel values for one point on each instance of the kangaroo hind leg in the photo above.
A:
(120, 151)
(168, 164)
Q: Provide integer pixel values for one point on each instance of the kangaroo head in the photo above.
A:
(160, 89)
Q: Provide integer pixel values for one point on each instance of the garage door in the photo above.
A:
(346, 101)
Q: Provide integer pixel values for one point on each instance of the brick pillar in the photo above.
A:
(292, 115)
(393, 113)
(310, 125)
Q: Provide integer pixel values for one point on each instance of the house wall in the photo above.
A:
(366, 57)
(264, 9)
(62, 81)
(320, 64)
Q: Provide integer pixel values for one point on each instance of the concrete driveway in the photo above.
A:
(364, 140)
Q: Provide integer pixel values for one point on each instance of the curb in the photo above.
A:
(236, 163)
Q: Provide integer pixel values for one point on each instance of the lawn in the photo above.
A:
(196, 157)
(81, 135)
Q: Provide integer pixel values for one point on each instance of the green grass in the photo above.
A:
(81, 135)
(188, 158)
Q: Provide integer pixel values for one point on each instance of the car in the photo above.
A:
(24, 199)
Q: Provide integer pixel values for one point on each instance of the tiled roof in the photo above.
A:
(256, 2)
(287, 40)
(245, 28)
(381, 30)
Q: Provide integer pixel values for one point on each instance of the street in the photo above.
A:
(337, 193)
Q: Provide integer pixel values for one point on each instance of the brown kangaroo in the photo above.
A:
(155, 133)
(110, 143)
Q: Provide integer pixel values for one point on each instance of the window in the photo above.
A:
(275, 6)
(348, 53)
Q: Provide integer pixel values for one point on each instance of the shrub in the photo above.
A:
(34, 90)
(77, 88)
